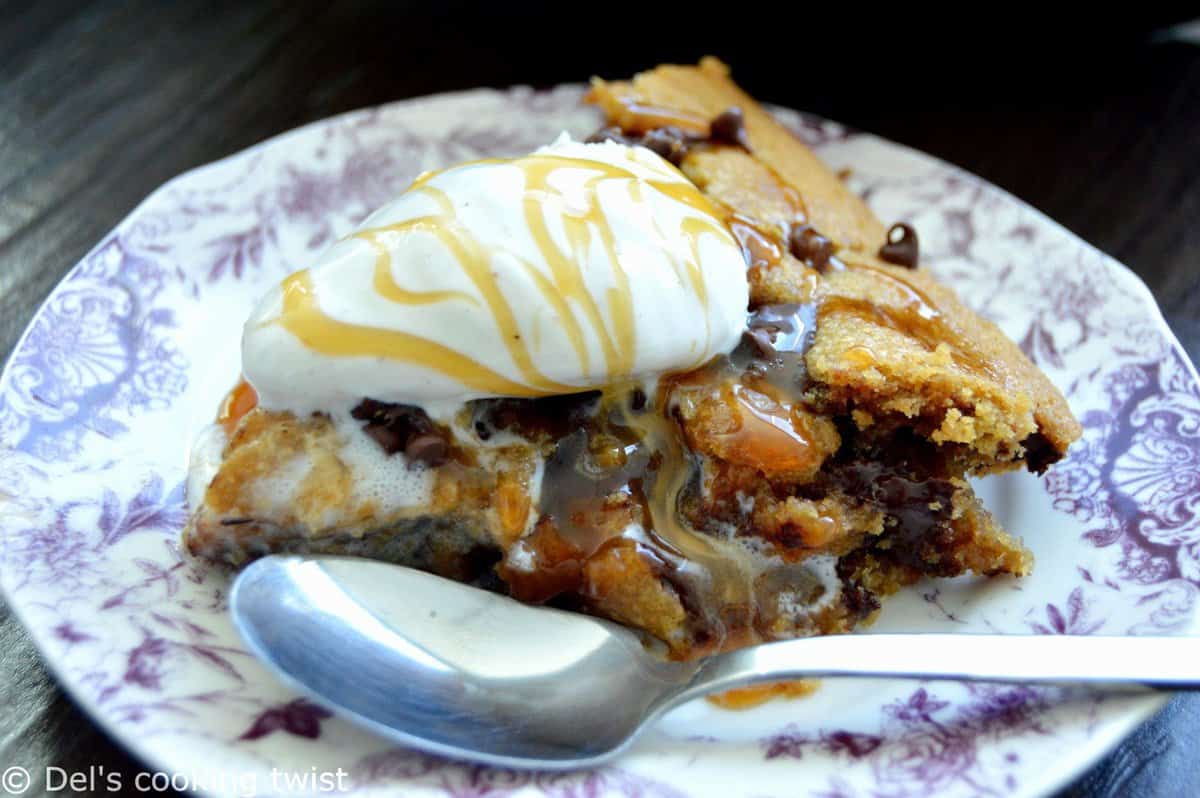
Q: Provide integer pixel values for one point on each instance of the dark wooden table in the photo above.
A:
(1096, 123)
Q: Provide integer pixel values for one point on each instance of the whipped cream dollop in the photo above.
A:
(570, 269)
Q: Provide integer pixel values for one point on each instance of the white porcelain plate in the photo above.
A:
(132, 352)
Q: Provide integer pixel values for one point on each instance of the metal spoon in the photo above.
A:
(465, 673)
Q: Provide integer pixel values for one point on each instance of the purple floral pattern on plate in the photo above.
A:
(100, 400)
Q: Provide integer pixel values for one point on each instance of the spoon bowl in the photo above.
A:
(449, 668)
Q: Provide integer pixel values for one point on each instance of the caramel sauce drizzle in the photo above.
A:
(929, 330)
(918, 302)
(565, 267)
(919, 318)
(720, 572)
(565, 288)
(770, 437)
(238, 402)
(320, 333)
(474, 261)
(710, 567)
(691, 229)
(759, 247)
(385, 284)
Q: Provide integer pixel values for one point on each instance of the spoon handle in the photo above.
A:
(1169, 663)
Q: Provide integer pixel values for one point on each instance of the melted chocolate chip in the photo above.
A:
(669, 142)
(373, 409)
(388, 439)
(789, 326)
(637, 400)
(762, 341)
(574, 483)
(1040, 454)
(904, 476)
(479, 566)
(858, 599)
(550, 418)
(236, 521)
(729, 127)
(610, 134)
(776, 340)
(918, 503)
(673, 143)
(901, 247)
(402, 428)
(808, 245)
(427, 448)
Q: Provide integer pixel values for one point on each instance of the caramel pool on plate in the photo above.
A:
(758, 694)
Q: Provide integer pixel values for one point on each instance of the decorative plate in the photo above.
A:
(132, 352)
